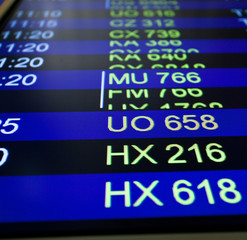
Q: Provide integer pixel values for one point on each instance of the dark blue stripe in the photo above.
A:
(107, 23)
(102, 5)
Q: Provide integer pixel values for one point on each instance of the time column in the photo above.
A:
(44, 79)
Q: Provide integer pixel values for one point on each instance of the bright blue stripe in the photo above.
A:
(94, 125)
(82, 197)
(86, 79)
(104, 47)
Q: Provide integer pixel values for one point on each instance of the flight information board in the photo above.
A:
(123, 116)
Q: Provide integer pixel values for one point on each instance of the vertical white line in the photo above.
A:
(107, 4)
(102, 93)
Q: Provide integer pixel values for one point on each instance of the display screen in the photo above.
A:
(123, 116)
